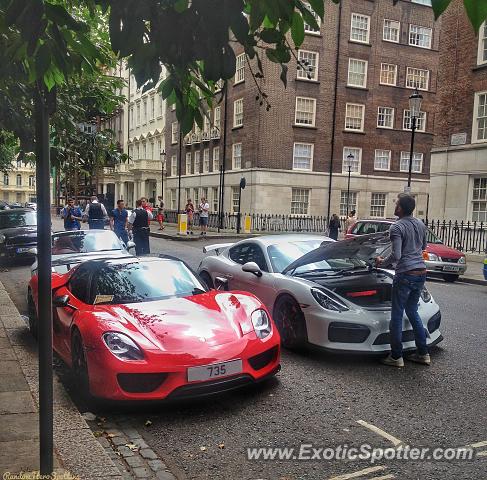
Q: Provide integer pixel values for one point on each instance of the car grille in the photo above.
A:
(140, 382)
(257, 362)
(342, 332)
(207, 388)
(385, 338)
(449, 260)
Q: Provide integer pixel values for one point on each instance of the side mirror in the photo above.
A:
(252, 267)
(62, 301)
(221, 283)
(32, 251)
(130, 244)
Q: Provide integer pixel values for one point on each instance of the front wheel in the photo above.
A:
(451, 278)
(32, 312)
(205, 276)
(290, 322)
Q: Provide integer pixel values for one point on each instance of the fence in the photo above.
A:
(468, 237)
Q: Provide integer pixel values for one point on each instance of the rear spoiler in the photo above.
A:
(218, 247)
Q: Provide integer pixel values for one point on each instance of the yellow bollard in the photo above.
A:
(182, 224)
(247, 223)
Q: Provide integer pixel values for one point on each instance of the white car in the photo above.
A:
(320, 292)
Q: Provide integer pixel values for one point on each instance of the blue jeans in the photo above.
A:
(406, 291)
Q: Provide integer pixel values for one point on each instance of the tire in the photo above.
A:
(451, 278)
(79, 365)
(289, 319)
(32, 312)
(205, 276)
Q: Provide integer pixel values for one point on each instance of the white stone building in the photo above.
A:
(19, 183)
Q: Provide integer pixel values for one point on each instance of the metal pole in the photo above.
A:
(44, 285)
(348, 188)
(220, 198)
(413, 129)
(222, 187)
(163, 161)
(239, 204)
(179, 168)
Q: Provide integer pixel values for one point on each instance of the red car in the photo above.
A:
(148, 329)
(440, 260)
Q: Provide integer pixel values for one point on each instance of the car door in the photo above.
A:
(264, 286)
(78, 289)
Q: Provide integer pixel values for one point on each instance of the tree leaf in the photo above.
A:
(476, 11)
(318, 7)
(297, 29)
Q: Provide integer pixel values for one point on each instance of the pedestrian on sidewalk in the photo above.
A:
(146, 206)
(138, 223)
(189, 210)
(118, 221)
(334, 227)
(204, 208)
(72, 216)
(160, 218)
(408, 237)
(160, 201)
(351, 220)
(96, 214)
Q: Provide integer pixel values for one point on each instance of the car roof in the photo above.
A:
(82, 232)
(268, 240)
(132, 259)
(16, 210)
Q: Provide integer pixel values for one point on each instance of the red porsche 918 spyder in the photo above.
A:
(149, 329)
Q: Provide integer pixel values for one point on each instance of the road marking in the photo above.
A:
(384, 477)
(360, 473)
(395, 441)
(482, 454)
(478, 444)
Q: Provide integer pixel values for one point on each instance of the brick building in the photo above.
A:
(459, 156)
(365, 61)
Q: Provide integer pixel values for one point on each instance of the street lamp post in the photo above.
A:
(162, 156)
(414, 110)
(242, 185)
(350, 158)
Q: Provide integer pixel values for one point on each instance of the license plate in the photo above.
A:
(451, 268)
(22, 249)
(215, 370)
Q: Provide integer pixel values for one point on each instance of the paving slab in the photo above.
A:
(13, 383)
(16, 402)
(19, 455)
(19, 426)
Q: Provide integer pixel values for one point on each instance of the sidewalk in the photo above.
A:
(170, 232)
(77, 451)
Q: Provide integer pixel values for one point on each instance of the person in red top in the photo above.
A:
(146, 206)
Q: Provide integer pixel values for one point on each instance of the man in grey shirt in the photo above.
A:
(408, 237)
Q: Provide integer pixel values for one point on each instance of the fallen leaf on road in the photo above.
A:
(221, 446)
(148, 423)
(111, 435)
(203, 449)
(132, 447)
(98, 433)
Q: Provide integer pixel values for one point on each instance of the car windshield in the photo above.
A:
(12, 219)
(145, 282)
(283, 254)
(84, 242)
(432, 238)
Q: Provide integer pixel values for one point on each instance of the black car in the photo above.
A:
(18, 233)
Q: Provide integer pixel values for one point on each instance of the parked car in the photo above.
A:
(130, 332)
(18, 233)
(73, 247)
(32, 205)
(4, 205)
(441, 260)
(320, 292)
(15, 205)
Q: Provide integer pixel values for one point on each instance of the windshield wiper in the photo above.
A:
(352, 271)
(312, 272)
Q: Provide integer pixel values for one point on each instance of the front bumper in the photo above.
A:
(16, 251)
(367, 331)
(445, 268)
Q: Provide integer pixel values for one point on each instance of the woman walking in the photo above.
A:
(334, 227)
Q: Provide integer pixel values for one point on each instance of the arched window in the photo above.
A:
(5, 178)
(19, 180)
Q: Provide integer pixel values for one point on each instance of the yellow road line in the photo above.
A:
(360, 473)
(395, 441)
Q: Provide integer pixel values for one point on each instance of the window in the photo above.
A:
(204, 193)
(248, 252)
(417, 78)
(79, 282)
(357, 72)
(309, 28)
(479, 133)
(216, 159)
(159, 149)
(420, 36)
(420, 121)
(138, 115)
(187, 192)
(353, 161)
(235, 199)
(188, 163)
(144, 112)
(151, 151)
(131, 152)
(144, 151)
(303, 156)
(131, 117)
(308, 65)
(196, 195)
(214, 196)
(136, 152)
(347, 202)
(482, 50)
(5, 179)
(197, 155)
(378, 205)
(388, 74)
(299, 201)
(382, 160)
(240, 70)
(216, 117)
(174, 132)
(417, 166)
(174, 166)
(391, 31)
(152, 107)
(305, 111)
(236, 156)
(161, 105)
(206, 123)
(385, 117)
(173, 199)
(422, 2)
(354, 117)
(237, 113)
(479, 198)
(360, 28)
(19, 180)
(206, 160)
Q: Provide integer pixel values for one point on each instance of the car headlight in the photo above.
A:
(426, 295)
(122, 346)
(326, 301)
(462, 260)
(2, 238)
(262, 323)
(432, 257)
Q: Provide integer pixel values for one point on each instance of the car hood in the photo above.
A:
(443, 251)
(364, 247)
(19, 232)
(191, 324)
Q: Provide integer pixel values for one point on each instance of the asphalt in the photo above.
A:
(319, 399)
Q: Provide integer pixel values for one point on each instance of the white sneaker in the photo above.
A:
(417, 358)
(393, 362)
